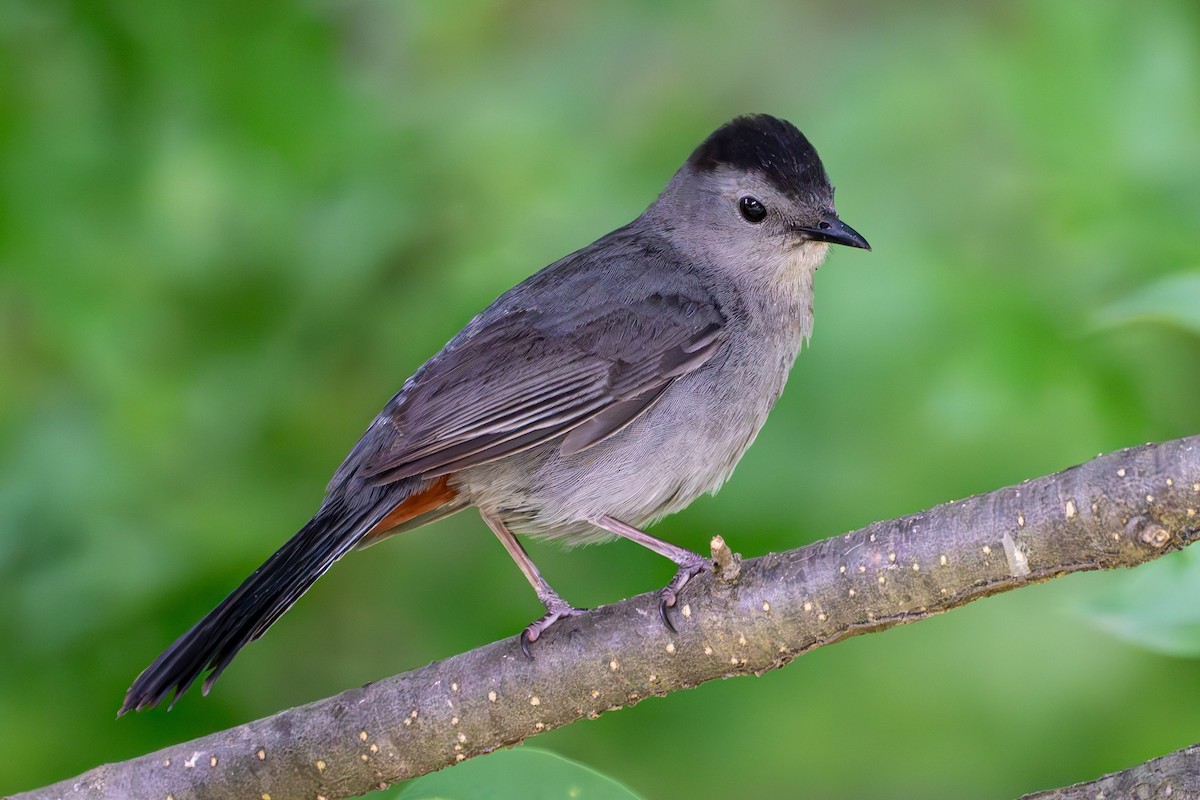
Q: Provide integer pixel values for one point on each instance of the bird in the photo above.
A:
(604, 392)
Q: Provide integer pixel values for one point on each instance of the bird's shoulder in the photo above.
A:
(621, 296)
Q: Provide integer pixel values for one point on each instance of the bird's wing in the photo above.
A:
(525, 377)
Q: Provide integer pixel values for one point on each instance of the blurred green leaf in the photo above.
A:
(1170, 300)
(229, 231)
(1156, 606)
(522, 774)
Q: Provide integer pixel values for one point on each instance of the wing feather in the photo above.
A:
(523, 378)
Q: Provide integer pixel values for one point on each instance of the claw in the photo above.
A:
(670, 593)
(554, 612)
(525, 640)
(663, 604)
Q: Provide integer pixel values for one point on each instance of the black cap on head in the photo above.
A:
(772, 147)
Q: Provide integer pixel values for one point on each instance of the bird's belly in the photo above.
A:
(685, 445)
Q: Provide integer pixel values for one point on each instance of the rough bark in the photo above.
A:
(1118, 510)
(1175, 776)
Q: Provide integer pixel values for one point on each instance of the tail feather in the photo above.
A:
(262, 598)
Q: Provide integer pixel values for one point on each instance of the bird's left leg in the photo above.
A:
(690, 564)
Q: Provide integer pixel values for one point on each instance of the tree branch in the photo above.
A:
(1118, 510)
(1175, 775)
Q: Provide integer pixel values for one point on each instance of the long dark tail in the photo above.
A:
(262, 598)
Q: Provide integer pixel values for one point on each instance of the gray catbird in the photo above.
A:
(610, 389)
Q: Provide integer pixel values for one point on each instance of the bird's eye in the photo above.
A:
(752, 209)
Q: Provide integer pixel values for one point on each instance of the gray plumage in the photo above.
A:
(610, 389)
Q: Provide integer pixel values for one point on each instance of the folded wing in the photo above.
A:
(526, 377)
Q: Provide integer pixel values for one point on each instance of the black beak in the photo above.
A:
(833, 230)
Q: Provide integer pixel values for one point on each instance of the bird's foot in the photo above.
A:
(556, 609)
(688, 569)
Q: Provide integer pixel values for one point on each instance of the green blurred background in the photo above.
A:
(229, 231)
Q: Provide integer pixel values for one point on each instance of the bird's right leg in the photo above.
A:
(556, 607)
